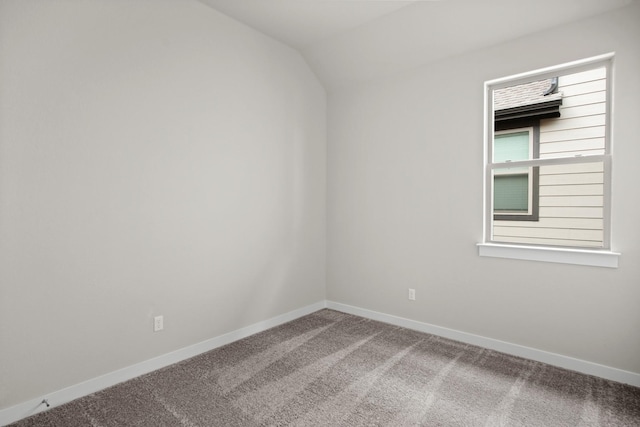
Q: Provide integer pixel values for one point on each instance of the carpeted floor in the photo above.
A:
(335, 369)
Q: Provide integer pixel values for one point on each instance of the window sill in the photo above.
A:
(595, 258)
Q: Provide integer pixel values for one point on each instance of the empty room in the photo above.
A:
(319, 213)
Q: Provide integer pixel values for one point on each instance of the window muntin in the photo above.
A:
(573, 163)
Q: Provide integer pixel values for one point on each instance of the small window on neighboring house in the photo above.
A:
(548, 169)
(515, 195)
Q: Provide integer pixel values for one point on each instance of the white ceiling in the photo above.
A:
(346, 41)
(300, 23)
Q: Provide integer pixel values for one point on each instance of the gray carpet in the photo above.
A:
(335, 369)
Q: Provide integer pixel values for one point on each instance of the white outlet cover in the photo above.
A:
(158, 323)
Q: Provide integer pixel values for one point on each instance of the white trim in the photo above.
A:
(594, 258)
(554, 359)
(57, 398)
(556, 254)
(594, 158)
(34, 406)
(548, 72)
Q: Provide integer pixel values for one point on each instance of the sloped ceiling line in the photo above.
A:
(346, 41)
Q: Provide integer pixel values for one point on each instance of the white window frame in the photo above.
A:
(604, 257)
(529, 130)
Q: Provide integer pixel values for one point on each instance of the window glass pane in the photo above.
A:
(511, 146)
(511, 193)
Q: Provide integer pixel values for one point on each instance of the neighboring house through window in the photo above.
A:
(518, 111)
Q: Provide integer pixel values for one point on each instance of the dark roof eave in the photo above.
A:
(540, 110)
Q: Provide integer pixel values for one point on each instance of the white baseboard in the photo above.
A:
(57, 398)
(554, 359)
(34, 406)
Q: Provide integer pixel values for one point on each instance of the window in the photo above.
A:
(515, 190)
(548, 162)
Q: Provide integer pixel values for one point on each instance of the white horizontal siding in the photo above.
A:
(570, 212)
(574, 123)
(582, 88)
(574, 168)
(583, 223)
(581, 77)
(573, 201)
(549, 233)
(571, 148)
(596, 131)
(572, 190)
(550, 242)
(584, 99)
(580, 110)
(572, 178)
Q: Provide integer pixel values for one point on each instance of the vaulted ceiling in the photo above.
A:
(346, 41)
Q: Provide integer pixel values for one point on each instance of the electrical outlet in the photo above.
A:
(158, 323)
(412, 294)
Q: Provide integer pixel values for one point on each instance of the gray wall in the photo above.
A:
(405, 203)
(156, 158)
